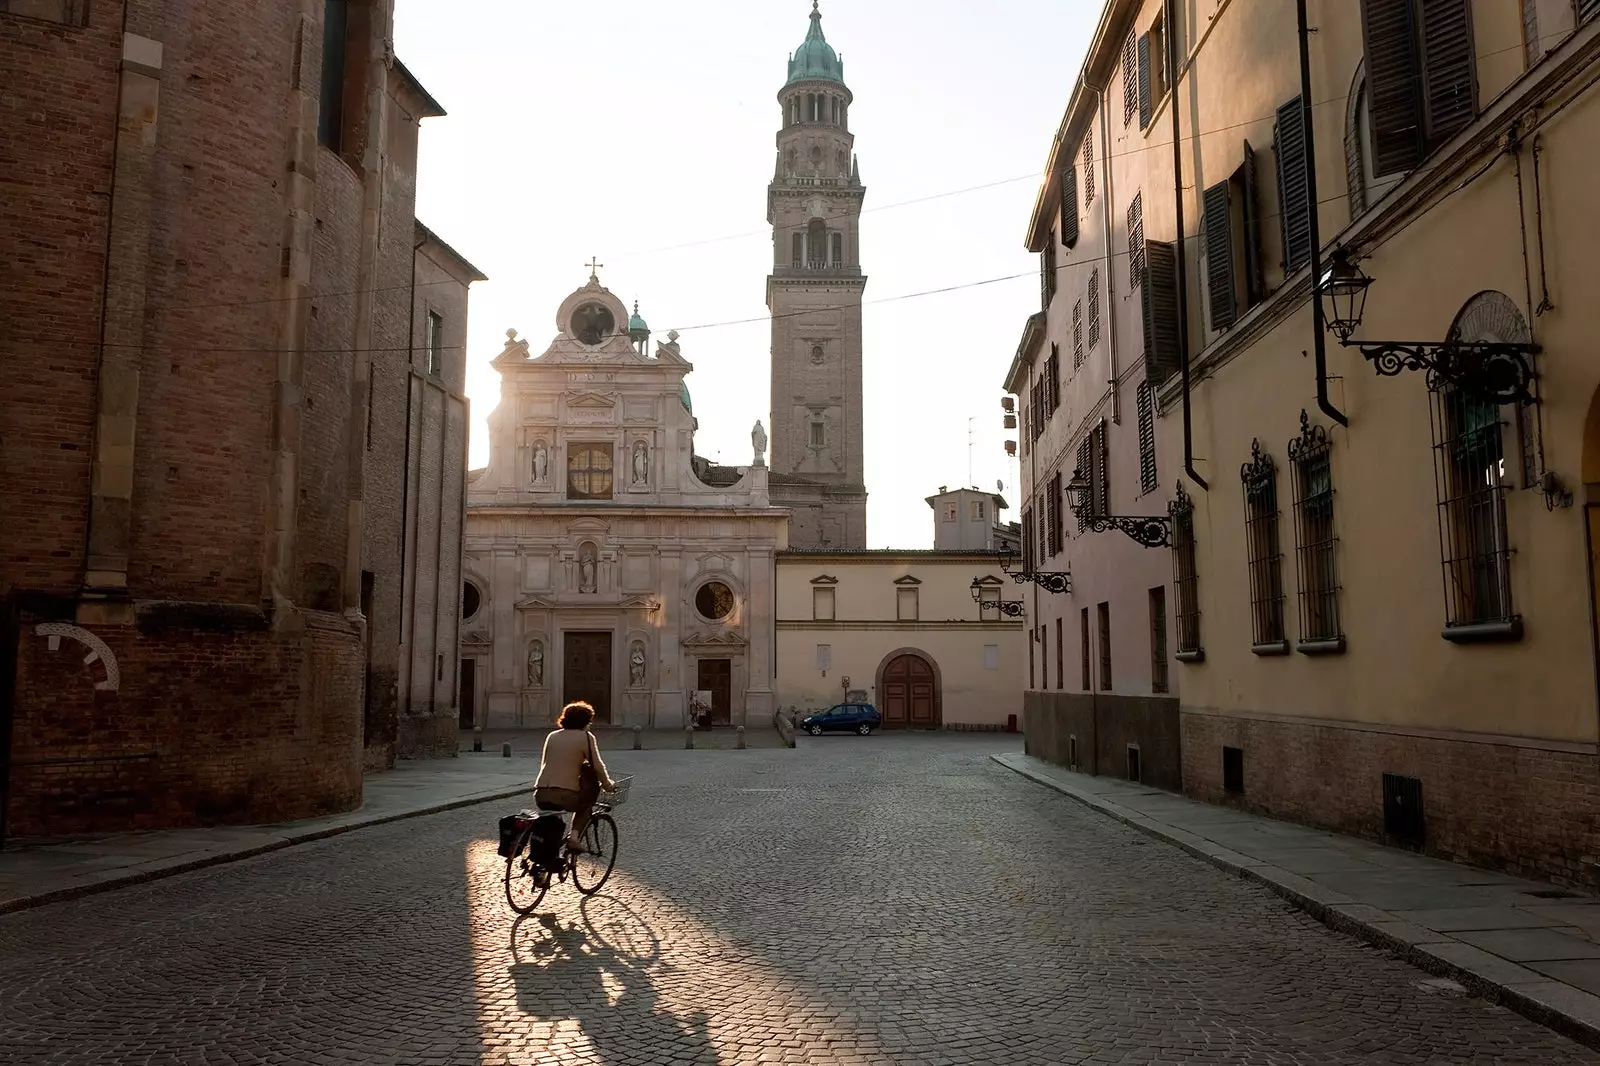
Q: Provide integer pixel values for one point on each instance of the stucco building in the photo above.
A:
(605, 561)
(814, 293)
(202, 279)
(1382, 555)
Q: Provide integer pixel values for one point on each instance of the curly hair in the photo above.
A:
(576, 715)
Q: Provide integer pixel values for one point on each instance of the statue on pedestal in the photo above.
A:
(536, 664)
(636, 666)
(758, 441)
(541, 462)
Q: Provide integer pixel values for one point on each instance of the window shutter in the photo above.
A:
(1219, 255)
(1044, 541)
(1085, 468)
(1159, 300)
(1077, 334)
(1027, 540)
(1144, 81)
(1102, 462)
(1447, 76)
(1069, 206)
(1053, 377)
(1394, 96)
(1135, 242)
(1055, 514)
(1088, 164)
(1130, 78)
(1047, 273)
(1587, 9)
(1145, 397)
(1294, 203)
(1094, 307)
(1532, 44)
(1255, 280)
(1355, 171)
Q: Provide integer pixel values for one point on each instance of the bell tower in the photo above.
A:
(814, 294)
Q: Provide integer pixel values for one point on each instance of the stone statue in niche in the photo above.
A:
(586, 569)
(536, 664)
(758, 441)
(541, 462)
(641, 463)
(636, 665)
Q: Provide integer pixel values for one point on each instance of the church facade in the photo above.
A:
(605, 561)
(814, 293)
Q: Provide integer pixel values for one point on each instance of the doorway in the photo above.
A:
(910, 692)
(716, 677)
(586, 673)
(469, 693)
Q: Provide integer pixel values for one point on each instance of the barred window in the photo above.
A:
(1158, 639)
(1094, 307)
(1088, 166)
(1260, 479)
(1077, 334)
(1312, 477)
(1470, 476)
(1184, 577)
(1145, 397)
(1136, 241)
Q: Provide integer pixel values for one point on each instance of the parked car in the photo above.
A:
(860, 718)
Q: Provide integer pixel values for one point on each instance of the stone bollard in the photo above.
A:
(740, 745)
(505, 750)
(688, 736)
(477, 739)
(638, 738)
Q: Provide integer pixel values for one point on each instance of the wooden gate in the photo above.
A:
(586, 673)
(910, 694)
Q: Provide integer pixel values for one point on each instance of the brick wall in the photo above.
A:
(1524, 810)
(1105, 725)
(218, 719)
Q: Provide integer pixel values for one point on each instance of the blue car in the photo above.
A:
(860, 718)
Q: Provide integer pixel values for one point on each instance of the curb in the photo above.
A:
(1338, 917)
(289, 840)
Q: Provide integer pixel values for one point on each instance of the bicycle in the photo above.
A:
(528, 879)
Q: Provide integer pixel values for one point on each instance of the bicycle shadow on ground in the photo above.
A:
(597, 971)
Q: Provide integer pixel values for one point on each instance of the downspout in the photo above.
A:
(1318, 338)
(1183, 269)
(1111, 275)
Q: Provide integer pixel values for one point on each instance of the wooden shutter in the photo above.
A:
(1102, 470)
(1130, 78)
(1254, 277)
(1047, 273)
(1532, 43)
(1355, 171)
(1587, 9)
(1144, 81)
(1055, 514)
(1088, 163)
(1085, 468)
(1027, 540)
(1069, 206)
(1159, 300)
(1293, 198)
(1218, 208)
(1077, 334)
(1394, 96)
(1145, 397)
(1053, 378)
(1448, 100)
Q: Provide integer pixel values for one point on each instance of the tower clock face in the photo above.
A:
(591, 323)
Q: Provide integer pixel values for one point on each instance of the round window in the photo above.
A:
(714, 600)
(471, 599)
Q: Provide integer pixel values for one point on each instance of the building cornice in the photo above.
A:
(812, 625)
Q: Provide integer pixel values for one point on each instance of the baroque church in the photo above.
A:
(604, 559)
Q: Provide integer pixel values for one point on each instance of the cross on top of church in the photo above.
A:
(594, 266)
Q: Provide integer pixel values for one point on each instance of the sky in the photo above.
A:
(642, 132)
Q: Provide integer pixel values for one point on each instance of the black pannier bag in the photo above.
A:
(546, 840)
(511, 826)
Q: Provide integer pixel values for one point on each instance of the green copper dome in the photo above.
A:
(637, 323)
(816, 59)
(683, 394)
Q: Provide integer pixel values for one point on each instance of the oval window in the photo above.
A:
(714, 600)
(471, 599)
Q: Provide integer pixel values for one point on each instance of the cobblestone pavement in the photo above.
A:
(856, 900)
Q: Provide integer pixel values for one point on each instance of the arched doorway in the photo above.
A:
(908, 691)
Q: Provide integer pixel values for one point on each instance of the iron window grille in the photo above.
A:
(1077, 334)
(1104, 615)
(1311, 473)
(1136, 241)
(1145, 397)
(1184, 576)
(1158, 640)
(1083, 628)
(1094, 307)
(1471, 483)
(1259, 477)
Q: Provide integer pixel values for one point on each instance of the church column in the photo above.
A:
(669, 670)
(762, 610)
(506, 583)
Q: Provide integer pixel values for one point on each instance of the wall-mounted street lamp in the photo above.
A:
(1151, 531)
(1049, 580)
(1009, 608)
(1498, 372)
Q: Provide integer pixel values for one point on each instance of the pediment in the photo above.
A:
(641, 603)
(591, 401)
(534, 603)
(588, 527)
(989, 579)
(908, 580)
(477, 640)
(824, 579)
(725, 638)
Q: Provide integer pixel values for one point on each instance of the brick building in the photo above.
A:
(213, 253)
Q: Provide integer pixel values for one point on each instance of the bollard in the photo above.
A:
(477, 739)
(740, 745)
(688, 736)
(638, 737)
(505, 750)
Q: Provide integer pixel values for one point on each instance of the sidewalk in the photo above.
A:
(530, 741)
(1529, 946)
(36, 872)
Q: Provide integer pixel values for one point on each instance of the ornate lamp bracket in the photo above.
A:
(1150, 531)
(1056, 581)
(1496, 372)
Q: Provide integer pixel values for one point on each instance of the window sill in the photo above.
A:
(1197, 655)
(1505, 632)
(1276, 647)
(1330, 646)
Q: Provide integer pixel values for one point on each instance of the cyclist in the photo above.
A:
(571, 773)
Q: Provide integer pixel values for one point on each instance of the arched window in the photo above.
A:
(837, 248)
(1366, 188)
(816, 241)
(799, 243)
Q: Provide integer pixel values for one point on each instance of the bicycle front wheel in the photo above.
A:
(592, 867)
(526, 884)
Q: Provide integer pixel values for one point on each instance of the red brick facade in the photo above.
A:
(1525, 810)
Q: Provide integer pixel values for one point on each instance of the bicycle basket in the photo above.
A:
(620, 796)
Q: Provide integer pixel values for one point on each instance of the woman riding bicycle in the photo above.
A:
(571, 773)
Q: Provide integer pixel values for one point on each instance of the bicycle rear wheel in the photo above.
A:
(592, 867)
(523, 876)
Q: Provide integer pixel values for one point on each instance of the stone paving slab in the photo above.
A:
(1498, 935)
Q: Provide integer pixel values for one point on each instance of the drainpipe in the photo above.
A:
(1318, 338)
(1183, 269)
(1111, 275)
